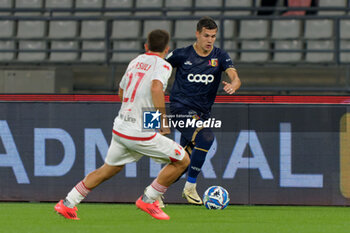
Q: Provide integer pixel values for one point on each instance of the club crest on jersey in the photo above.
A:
(151, 119)
(213, 62)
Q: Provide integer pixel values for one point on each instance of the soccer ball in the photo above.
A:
(216, 197)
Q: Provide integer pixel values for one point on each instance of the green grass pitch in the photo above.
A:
(104, 218)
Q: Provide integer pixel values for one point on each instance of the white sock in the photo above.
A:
(77, 194)
(189, 185)
(154, 191)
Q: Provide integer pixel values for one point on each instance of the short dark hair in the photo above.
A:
(206, 22)
(157, 40)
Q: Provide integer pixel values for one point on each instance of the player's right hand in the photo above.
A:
(164, 131)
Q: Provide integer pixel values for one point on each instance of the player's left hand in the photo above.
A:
(228, 88)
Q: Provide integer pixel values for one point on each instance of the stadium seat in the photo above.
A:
(93, 56)
(63, 56)
(150, 25)
(149, 4)
(6, 28)
(208, 4)
(97, 4)
(230, 45)
(345, 29)
(125, 29)
(319, 56)
(31, 29)
(125, 45)
(332, 3)
(286, 29)
(31, 45)
(185, 29)
(345, 56)
(61, 4)
(7, 56)
(29, 4)
(122, 4)
(238, 3)
(317, 29)
(229, 29)
(93, 29)
(255, 56)
(5, 4)
(58, 3)
(178, 3)
(62, 29)
(287, 56)
(253, 29)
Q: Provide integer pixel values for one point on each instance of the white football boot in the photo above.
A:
(191, 195)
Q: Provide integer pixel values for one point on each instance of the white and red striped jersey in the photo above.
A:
(136, 85)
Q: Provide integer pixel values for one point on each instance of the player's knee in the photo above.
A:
(184, 162)
(204, 139)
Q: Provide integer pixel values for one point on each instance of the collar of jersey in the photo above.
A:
(152, 54)
(200, 55)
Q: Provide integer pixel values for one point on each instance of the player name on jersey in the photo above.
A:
(142, 66)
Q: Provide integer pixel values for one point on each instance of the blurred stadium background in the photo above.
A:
(290, 150)
(83, 46)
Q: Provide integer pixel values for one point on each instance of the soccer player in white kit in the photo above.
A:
(141, 87)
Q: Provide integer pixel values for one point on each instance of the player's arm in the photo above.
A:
(159, 103)
(120, 93)
(235, 83)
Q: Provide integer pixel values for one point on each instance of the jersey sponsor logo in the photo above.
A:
(189, 63)
(200, 78)
(151, 119)
(213, 62)
(127, 118)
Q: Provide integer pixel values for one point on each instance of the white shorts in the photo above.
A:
(125, 149)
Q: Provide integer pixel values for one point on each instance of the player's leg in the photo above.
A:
(202, 143)
(67, 207)
(165, 178)
(162, 148)
(114, 163)
(92, 180)
(188, 146)
(149, 201)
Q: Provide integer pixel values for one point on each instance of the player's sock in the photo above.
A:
(197, 161)
(76, 195)
(203, 142)
(153, 191)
